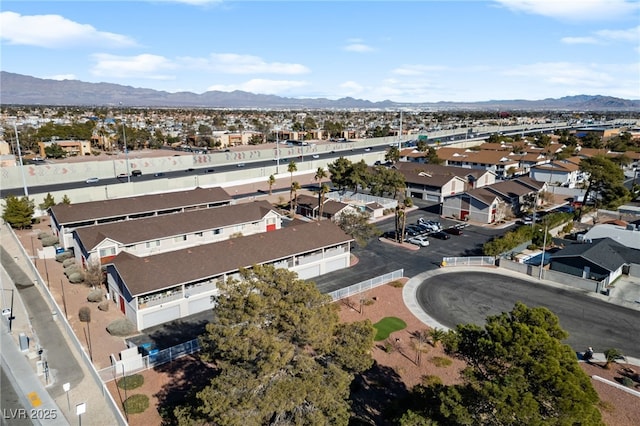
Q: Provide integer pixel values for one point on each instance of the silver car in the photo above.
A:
(419, 240)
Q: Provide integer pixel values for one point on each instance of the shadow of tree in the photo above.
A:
(187, 376)
(374, 396)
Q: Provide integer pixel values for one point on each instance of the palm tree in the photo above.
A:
(271, 181)
(320, 174)
(401, 218)
(436, 334)
(295, 187)
(611, 355)
(291, 168)
(324, 189)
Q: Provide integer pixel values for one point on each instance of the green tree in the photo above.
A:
(271, 181)
(66, 199)
(55, 151)
(322, 192)
(432, 156)
(281, 356)
(18, 212)
(339, 171)
(358, 226)
(518, 373)
(293, 197)
(611, 355)
(605, 178)
(358, 176)
(393, 154)
(292, 168)
(48, 201)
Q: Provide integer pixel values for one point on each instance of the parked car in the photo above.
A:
(391, 235)
(441, 235)
(92, 180)
(136, 172)
(453, 231)
(122, 176)
(240, 165)
(419, 240)
(412, 231)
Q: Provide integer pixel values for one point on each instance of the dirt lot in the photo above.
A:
(396, 370)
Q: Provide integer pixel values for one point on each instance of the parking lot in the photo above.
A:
(379, 257)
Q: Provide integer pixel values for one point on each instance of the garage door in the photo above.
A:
(160, 316)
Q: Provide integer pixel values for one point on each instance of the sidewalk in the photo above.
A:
(40, 322)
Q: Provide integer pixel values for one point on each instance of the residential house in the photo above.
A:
(499, 162)
(163, 287)
(65, 218)
(493, 203)
(434, 182)
(308, 206)
(602, 260)
(560, 173)
(168, 232)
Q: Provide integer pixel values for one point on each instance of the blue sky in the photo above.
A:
(414, 51)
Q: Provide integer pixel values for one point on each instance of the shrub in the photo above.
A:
(440, 361)
(104, 305)
(72, 269)
(121, 327)
(429, 380)
(136, 404)
(95, 296)
(49, 241)
(131, 382)
(84, 314)
(76, 278)
(68, 262)
(388, 347)
(627, 382)
(61, 257)
(396, 284)
(43, 234)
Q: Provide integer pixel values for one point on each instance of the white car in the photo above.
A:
(92, 180)
(419, 240)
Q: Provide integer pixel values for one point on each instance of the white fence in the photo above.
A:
(366, 285)
(469, 261)
(152, 360)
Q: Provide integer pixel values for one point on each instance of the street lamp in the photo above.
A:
(9, 312)
(126, 151)
(544, 245)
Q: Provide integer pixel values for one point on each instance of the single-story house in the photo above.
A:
(602, 259)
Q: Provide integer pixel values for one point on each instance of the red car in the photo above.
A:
(453, 231)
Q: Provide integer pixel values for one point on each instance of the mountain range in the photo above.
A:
(18, 89)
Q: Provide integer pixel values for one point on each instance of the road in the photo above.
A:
(469, 298)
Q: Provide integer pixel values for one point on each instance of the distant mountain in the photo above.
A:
(17, 89)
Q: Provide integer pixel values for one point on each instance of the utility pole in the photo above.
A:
(24, 179)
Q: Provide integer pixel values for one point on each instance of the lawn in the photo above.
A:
(386, 326)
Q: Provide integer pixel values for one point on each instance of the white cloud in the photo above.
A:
(631, 35)
(579, 40)
(574, 10)
(352, 88)
(357, 45)
(565, 74)
(417, 69)
(55, 31)
(231, 63)
(262, 86)
(140, 66)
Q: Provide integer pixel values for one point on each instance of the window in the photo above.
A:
(152, 244)
(180, 238)
(108, 251)
(217, 231)
(199, 234)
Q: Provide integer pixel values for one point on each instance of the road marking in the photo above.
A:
(35, 399)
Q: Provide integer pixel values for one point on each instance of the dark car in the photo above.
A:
(390, 235)
(441, 235)
(453, 231)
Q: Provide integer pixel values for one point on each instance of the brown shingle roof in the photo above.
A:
(438, 169)
(93, 210)
(151, 273)
(164, 226)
